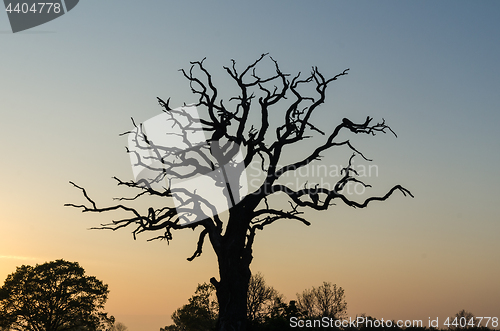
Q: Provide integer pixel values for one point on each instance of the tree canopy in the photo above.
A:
(326, 300)
(53, 296)
(200, 314)
(262, 300)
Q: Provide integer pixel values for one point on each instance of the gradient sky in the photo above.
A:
(431, 69)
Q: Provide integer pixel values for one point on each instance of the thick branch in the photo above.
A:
(331, 195)
(167, 218)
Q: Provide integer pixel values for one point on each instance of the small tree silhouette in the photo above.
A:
(262, 299)
(240, 127)
(56, 296)
(119, 327)
(200, 313)
(326, 300)
(462, 320)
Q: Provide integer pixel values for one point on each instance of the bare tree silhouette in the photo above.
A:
(232, 129)
(262, 299)
(326, 300)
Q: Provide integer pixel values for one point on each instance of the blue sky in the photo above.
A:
(69, 88)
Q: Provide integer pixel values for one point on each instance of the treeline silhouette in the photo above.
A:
(58, 296)
(319, 308)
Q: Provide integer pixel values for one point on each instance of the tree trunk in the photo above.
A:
(232, 296)
(234, 269)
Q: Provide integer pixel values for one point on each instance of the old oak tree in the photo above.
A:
(239, 133)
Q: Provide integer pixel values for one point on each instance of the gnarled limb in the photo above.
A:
(296, 196)
(166, 218)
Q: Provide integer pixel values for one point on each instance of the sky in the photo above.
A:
(430, 69)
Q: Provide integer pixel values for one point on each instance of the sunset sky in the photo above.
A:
(68, 88)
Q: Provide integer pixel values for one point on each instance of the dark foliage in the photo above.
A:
(54, 296)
